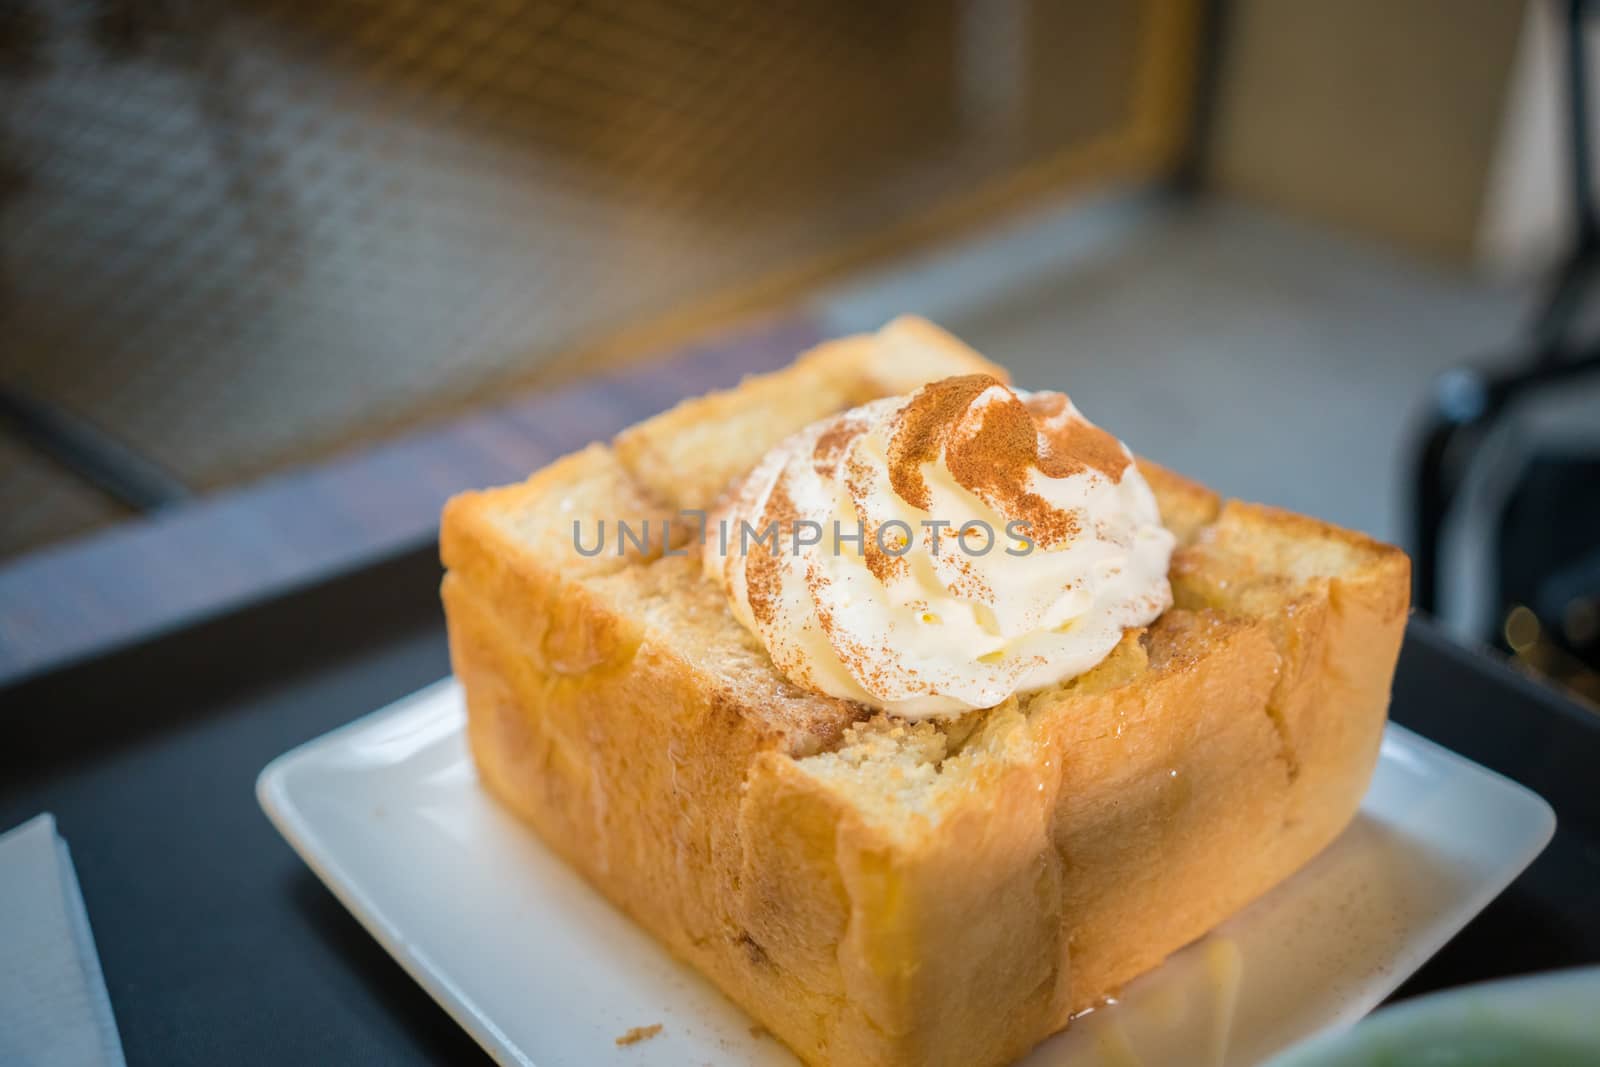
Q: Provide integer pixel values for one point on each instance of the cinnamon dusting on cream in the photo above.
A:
(994, 448)
(921, 620)
(763, 570)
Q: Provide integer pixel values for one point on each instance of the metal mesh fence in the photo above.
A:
(239, 235)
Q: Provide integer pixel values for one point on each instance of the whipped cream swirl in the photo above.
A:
(939, 552)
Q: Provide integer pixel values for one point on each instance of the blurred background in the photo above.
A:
(1332, 256)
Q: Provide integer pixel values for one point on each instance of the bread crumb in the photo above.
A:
(758, 1032)
(638, 1034)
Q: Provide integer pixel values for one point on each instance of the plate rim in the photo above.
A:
(290, 821)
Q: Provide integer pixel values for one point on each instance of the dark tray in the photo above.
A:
(220, 946)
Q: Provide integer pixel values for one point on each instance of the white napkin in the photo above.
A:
(54, 1010)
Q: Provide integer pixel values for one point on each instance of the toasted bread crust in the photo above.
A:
(849, 894)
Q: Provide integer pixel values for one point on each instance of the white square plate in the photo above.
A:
(542, 970)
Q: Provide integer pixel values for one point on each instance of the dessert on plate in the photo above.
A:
(910, 707)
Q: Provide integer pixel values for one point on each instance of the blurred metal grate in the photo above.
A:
(239, 235)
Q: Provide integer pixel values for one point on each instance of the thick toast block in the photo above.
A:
(879, 893)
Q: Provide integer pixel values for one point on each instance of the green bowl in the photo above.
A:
(1547, 1020)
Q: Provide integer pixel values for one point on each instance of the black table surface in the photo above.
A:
(220, 946)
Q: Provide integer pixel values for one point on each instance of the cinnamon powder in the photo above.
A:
(993, 460)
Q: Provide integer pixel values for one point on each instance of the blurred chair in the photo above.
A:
(1545, 541)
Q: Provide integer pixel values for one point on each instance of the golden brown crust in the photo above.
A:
(1186, 505)
(851, 882)
(687, 456)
